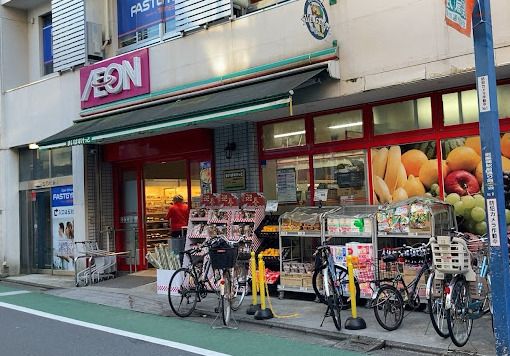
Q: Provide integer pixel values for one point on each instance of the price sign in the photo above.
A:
(271, 206)
(321, 195)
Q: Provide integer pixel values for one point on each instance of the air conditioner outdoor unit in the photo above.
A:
(94, 42)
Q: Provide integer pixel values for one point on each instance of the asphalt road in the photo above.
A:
(25, 334)
(34, 323)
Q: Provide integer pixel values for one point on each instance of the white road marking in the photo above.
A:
(16, 292)
(153, 340)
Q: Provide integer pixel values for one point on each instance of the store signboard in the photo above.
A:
(286, 185)
(62, 221)
(137, 15)
(315, 18)
(114, 79)
(234, 179)
(458, 15)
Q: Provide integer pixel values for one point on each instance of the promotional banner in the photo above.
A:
(458, 15)
(136, 15)
(62, 221)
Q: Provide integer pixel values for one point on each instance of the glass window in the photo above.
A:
(403, 116)
(504, 101)
(47, 46)
(343, 175)
(288, 181)
(42, 164)
(462, 107)
(284, 134)
(61, 162)
(338, 126)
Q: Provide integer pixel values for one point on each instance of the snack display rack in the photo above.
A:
(226, 214)
(352, 230)
(300, 232)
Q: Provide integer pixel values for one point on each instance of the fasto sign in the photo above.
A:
(115, 79)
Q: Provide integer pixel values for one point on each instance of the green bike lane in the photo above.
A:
(228, 341)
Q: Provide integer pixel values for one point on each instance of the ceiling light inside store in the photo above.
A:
(295, 133)
(343, 126)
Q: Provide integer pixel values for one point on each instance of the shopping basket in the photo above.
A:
(223, 258)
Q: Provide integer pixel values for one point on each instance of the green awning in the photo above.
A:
(264, 95)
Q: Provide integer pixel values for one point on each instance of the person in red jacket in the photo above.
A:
(177, 215)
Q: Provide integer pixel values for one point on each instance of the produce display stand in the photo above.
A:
(410, 222)
(300, 232)
(228, 215)
(352, 230)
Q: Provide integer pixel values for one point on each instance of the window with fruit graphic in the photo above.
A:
(400, 172)
(463, 180)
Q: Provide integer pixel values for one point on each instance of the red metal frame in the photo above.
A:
(437, 133)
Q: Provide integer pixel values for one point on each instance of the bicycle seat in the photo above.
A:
(389, 258)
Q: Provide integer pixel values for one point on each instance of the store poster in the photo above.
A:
(205, 177)
(463, 180)
(400, 172)
(286, 185)
(62, 221)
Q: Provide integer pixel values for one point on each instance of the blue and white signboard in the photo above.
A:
(136, 15)
(62, 221)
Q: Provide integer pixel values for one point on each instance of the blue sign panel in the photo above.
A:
(62, 196)
(135, 15)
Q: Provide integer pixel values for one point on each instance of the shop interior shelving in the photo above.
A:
(299, 235)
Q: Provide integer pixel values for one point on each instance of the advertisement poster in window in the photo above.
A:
(463, 181)
(286, 185)
(62, 221)
(205, 177)
(404, 171)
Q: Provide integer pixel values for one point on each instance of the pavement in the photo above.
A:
(416, 333)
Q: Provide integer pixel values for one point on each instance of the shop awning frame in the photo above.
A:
(265, 95)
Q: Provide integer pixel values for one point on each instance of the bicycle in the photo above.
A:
(394, 294)
(334, 287)
(341, 278)
(468, 296)
(240, 272)
(189, 285)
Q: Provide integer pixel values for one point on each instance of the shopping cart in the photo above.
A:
(96, 264)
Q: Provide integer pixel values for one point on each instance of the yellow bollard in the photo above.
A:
(354, 322)
(252, 309)
(263, 313)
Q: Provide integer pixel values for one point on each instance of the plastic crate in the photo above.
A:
(223, 258)
(450, 257)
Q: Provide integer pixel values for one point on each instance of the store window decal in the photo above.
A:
(405, 171)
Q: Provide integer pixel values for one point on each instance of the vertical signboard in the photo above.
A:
(62, 222)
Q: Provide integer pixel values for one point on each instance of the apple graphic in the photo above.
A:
(461, 182)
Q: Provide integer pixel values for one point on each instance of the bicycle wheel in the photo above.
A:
(389, 307)
(336, 307)
(343, 282)
(183, 292)
(239, 285)
(225, 297)
(437, 312)
(458, 320)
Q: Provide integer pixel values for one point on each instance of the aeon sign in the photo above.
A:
(115, 79)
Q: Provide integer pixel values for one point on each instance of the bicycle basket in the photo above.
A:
(450, 257)
(223, 258)
(389, 270)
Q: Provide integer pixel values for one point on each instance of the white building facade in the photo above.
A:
(352, 67)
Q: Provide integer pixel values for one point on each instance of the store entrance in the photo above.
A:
(145, 193)
(36, 238)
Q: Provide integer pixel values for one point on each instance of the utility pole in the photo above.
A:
(492, 173)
